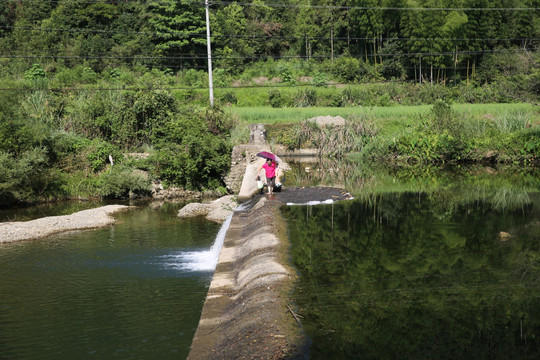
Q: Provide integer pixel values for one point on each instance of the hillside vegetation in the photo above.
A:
(86, 83)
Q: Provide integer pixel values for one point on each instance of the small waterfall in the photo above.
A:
(204, 260)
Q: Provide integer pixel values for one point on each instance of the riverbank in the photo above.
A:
(43, 227)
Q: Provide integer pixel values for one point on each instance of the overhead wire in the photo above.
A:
(258, 57)
(255, 36)
(280, 85)
(344, 7)
(300, 6)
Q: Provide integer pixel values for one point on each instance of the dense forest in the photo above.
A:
(415, 40)
(86, 81)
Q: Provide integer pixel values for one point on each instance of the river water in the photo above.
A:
(426, 265)
(134, 290)
(414, 266)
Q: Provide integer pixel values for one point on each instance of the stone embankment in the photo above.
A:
(39, 228)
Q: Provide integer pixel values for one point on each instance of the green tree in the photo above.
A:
(230, 30)
(265, 25)
(178, 26)
(369, 26)
(193, 150)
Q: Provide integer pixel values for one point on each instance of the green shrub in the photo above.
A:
(320, 80)
(221, 78)
(305, 98)
(195, 78)
(65, 77)
(346, 68)
(79, 183)
(349, 96)
(127, 118)
(286, 76)
(98, 153)
(228, 98)
(35, 72)
(524, 145)
(427, 146)
(194, 151)
(66, 148)
(444, 119)
(24, 178)
(114, 73)
(140, 116)
(120, 181)
(275, 99)
(530, 141)
(88, 75)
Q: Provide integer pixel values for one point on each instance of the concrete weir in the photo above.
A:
(246, 313)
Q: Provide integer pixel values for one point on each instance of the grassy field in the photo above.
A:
(269, 115)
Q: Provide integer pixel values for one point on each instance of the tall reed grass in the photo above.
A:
(514, 120)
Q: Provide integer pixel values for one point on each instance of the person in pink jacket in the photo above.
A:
(270, 168)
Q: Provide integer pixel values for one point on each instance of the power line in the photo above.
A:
(258, 57)
(71, 30)
(281, 85)
(383, 8)
(242, 36)
(311, 6)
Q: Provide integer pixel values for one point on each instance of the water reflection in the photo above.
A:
(422, 274)
(106, 293)
(504, 187)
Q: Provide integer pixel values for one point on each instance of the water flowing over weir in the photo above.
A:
(203, 260)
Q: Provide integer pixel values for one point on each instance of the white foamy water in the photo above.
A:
(203, 260)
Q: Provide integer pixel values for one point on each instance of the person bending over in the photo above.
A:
(270, 169)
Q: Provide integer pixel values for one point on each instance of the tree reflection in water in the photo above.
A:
(422, 275)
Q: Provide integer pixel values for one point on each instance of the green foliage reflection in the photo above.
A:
(415, 276)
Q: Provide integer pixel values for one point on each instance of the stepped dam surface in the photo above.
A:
(247, 313)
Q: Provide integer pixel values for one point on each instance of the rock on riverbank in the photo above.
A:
(39, 228)
(218, 210)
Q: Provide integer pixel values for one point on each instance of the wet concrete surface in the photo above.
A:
(304, 195)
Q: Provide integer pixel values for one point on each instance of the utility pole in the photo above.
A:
(209, 48)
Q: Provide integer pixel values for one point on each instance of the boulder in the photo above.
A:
(323, 121)
(218, 210)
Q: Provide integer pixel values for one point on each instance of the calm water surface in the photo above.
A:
(415, 267)
(113, 293)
